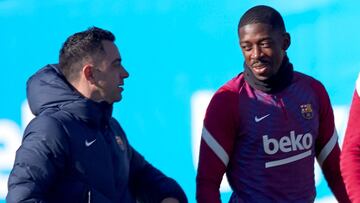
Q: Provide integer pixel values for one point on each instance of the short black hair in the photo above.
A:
(80, 46)
(263, 14)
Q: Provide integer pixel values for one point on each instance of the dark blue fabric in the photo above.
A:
(74, 151)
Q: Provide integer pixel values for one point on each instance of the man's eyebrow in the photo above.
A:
(260, 40)
(266, 38)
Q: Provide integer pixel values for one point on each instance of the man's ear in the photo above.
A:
(287, 41)
(88, 72)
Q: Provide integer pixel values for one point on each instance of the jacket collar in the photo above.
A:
(48, 89)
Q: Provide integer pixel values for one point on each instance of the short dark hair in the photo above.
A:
(80, 46)
(263, 14)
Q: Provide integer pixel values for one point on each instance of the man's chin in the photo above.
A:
(118, 99)
(114, 100)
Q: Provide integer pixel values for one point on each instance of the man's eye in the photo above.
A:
(117, 65)
(266, 44)
(246, 48)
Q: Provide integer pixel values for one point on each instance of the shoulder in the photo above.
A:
(310, 81)
(44, 123)
(226, 98)
(298, 76)
(118, 131)
(229, 92)
(233, 85)
(46, 136)
(116, 127)
(45, 128)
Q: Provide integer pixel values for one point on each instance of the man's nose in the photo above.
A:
(256, 53)
(124, 73)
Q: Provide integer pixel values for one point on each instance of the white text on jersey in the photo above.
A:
(287, 144)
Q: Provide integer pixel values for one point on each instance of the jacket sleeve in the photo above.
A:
(217, 142)
(327, 147)
(149, 184)
(38, 161)
(350, 158)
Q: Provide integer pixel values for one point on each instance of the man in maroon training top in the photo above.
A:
(265, 127)
(350, 157)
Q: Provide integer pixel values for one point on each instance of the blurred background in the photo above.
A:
(177, 53)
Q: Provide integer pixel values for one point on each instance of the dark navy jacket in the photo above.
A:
(74, 151)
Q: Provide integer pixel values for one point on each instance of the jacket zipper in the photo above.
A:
(89, 196)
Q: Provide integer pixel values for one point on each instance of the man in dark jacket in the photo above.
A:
(74, 151)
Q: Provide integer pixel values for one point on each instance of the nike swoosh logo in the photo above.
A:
(87, 143)
(261, 118)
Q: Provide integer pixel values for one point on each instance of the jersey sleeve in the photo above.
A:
(327, 148)
(350, 158)
(217, 140)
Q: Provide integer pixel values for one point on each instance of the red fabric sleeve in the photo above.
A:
(331, 170)
(220, 124)
(350, 158)
(327, 144)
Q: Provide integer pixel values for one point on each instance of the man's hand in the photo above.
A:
(170, 200)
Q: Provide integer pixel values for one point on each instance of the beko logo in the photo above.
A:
(287, 144)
